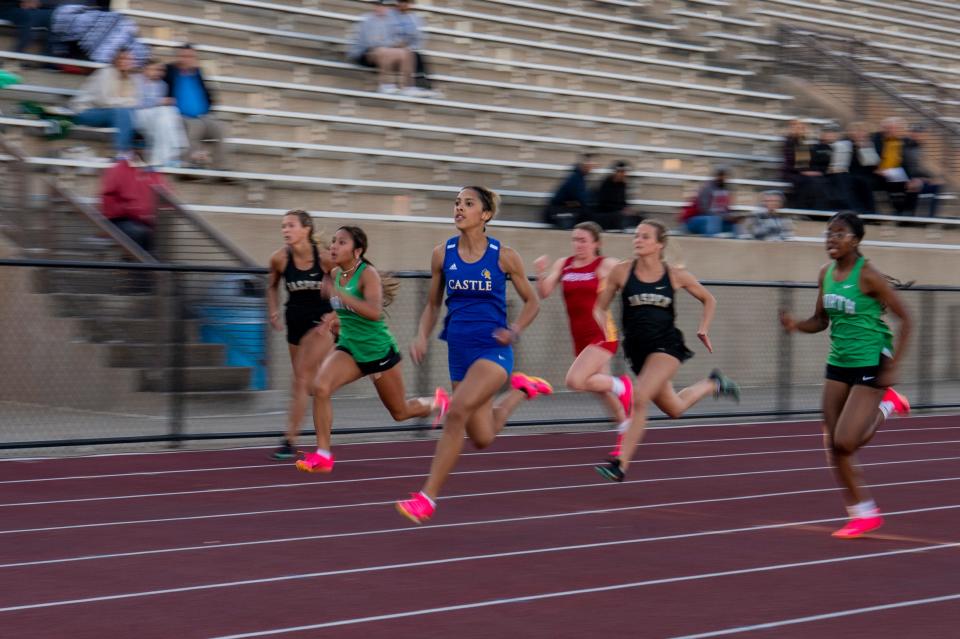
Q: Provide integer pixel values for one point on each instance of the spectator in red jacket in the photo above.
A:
(129, 200)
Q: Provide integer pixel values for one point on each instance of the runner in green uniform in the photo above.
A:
(364, 346)
(862, 365)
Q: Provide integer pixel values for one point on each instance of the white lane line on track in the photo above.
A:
(525, 451)
(483, 522)
(587, 591)
(411, 441)
(455, 496)
(821, 617)
(306, 484)
(518, 553)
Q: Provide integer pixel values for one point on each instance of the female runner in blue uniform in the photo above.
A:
(472, 269)
(308, 314)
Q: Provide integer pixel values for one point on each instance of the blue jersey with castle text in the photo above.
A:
(476, 296)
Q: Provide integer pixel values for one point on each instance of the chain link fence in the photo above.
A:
(117, 352)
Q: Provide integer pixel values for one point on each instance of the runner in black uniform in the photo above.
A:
(652, 343)
(309, 335)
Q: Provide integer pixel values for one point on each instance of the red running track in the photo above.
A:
(721, 530)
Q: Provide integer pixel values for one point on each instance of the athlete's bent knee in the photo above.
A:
(843, 447)
(575, 382)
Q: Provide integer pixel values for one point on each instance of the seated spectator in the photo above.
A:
(27, 17)
(572, 202)
(610, 198)
(158, 118)
(408, 34)
(129, 201)
(713, 214)
(889, 144)
(90, 34)
(838, 182)
(923, 184)
(863, 165)
(107, 99)
(375, 44)
(194, 98)
(767, 223)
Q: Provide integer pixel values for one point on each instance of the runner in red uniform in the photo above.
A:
(582, 276)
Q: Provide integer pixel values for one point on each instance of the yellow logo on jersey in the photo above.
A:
(485, 273)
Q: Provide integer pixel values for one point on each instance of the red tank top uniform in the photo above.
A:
(581, 285)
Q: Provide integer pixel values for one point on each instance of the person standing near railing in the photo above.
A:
(303, 266)
(652, 342)
(862, 365)
(471, 270)
(581, 277)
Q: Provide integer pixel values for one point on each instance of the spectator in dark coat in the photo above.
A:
(27, 17)
(610, 198)
(572, 201)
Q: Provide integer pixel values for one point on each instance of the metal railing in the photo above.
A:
(186, 355)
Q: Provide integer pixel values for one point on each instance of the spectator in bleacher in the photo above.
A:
(767, 223)
(107, 99)
(129, 201)
(374, 44)
(889, 144)
(408, 34)
(572, 201)
(610, 199)
(86, 33)
(194, 98)
(714, 208)
(796, 167)
(924, 183)
(838, 180)
(158, 118)
(27, 17)
(863, 165)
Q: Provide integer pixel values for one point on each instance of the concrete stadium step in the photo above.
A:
(148, 355)
(62, 280)
(196, 379)
(136, 330)
(85, 305)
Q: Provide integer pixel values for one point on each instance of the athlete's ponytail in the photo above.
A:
(489, 200)
(389, 284)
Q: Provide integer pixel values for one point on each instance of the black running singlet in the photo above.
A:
(648, 311)
(304, 287)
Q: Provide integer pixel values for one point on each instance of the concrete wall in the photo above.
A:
(407, 246)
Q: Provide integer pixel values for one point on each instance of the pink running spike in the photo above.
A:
(315, 463)
(859, 526)
(441, 400)
(417, 509)
(531, 386)
(901, 406)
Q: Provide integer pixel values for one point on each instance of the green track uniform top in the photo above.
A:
(858, 334)
(367, 340)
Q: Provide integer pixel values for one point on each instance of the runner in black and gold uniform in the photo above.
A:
(652, 342)
(302, 265)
